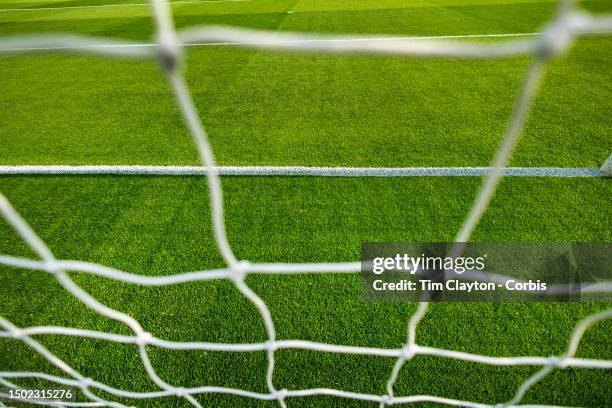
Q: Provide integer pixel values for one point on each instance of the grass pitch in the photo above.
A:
(265, 108)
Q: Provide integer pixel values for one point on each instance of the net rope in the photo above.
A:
(567, 24)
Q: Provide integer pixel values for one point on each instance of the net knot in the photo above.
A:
(385, 400)
(18, 333)
(558, 36)
(86, 382)
(144, 338)
(557, 362)
(180, 392)
(281, 394)
(242, 266)
(271, 345)
(168, 52)
(408, 352)
(51, 267)
(240, 269)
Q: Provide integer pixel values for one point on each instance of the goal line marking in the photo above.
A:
(117, 5)
(297, 171)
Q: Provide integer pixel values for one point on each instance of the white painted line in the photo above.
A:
(310, 40)
(297, 171)
(117, 5)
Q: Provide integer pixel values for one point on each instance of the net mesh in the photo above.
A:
(568, 24)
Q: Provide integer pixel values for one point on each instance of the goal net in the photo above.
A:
(567, 24)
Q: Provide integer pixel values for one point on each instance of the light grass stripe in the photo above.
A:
(297, 171)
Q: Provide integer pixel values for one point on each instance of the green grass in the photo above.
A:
(288, 110)
(264, 108)
(157, 226)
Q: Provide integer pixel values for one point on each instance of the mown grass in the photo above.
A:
(263, 108)
(158, 226)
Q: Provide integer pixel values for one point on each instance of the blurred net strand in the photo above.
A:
(301, 344)
(554, 40)
(571, 25)
(277, 269)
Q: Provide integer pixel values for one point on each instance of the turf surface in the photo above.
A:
(263, 108)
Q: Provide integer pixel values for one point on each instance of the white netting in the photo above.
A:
(554, 40)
